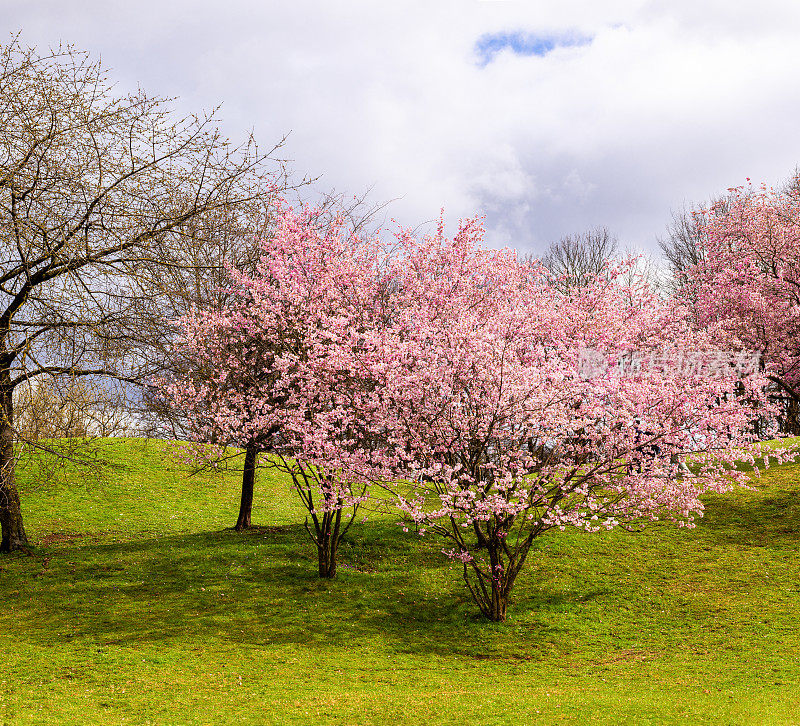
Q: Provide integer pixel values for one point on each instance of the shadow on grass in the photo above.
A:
(755, 520)
(260, 588)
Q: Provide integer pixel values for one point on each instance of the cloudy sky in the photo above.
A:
(547, 117)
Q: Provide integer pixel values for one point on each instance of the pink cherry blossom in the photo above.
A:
(266, 372)
(747, 290)
(449, 374)
(505, 440)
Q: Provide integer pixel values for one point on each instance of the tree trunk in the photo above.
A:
(327, 560)
(327, 543)
(13, 533)
(499, 603)
(248, 483)
(491, 587)
(502, 583)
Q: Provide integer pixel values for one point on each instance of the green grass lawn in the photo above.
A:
(139, 607)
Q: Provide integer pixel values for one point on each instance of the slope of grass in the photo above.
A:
(139, 607)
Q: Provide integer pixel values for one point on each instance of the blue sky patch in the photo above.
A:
(490, 44)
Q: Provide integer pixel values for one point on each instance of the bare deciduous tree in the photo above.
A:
(95, 189)
(66, 408)
(577, 259)
(681, 248)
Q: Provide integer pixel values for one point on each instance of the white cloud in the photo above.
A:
(670, 102)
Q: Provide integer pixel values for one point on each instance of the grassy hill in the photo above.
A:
(139, 607)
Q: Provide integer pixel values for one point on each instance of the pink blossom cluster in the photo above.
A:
(480, 372)
(747, 289)
(267, 370)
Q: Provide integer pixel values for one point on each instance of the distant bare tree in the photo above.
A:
(577, 259)
(61, 421)
(49, 409)
(681, 248)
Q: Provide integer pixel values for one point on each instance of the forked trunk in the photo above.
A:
(491, 586)
(327, 531)
(248, 484)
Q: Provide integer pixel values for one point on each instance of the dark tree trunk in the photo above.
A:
(499, 604)
(248, 483)
(327, 561)
(501, 585)
(328, 529)
(326, 557)
(13, 533)
(328, 534)
(490, 594)
(328, 543)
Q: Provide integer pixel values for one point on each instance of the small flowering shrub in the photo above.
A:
(267, 374)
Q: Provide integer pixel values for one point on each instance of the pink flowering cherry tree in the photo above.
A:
(263, 373)
(503, 436)
(748, 286)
